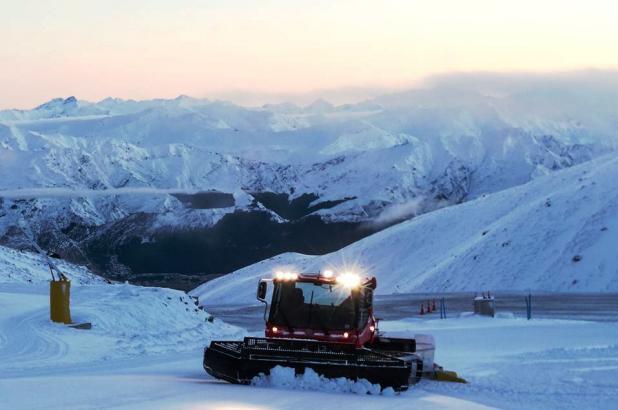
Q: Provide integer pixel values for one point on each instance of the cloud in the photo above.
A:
(68, 192)
(398, 212)
(505, 83)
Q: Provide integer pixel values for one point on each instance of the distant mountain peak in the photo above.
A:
(320, 102)
(51, 103)
(319, 106)
(283, 107)
(58, 103)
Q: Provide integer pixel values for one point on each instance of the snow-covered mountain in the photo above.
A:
(556, 233)
(103, 182)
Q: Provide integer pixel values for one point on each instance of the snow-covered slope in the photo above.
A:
(556, 233)
(127, 321)
(27, 267)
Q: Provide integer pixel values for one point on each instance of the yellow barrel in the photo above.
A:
(59, 301)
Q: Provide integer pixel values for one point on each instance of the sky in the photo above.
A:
(241, 49)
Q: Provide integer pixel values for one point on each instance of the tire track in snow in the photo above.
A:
(28, 340)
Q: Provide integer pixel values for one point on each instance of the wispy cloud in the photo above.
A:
(68, 192)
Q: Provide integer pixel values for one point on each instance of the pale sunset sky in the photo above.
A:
(205, 48)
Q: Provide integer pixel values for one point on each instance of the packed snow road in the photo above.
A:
(144, 354)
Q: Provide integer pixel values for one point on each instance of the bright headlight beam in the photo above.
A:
(349, 280)
(286, 276)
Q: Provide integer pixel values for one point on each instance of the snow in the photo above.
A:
(80, 171)
(531, 224)
(284, 378)
(140, 354)
(145, 351)
(518, 359)
(127, 321)
(26, 267)
(517, 239)
(422, 145)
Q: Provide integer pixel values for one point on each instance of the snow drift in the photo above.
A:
(556, 233)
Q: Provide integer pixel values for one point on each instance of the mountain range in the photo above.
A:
(179, 191)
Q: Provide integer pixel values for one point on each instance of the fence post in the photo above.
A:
(529, 306)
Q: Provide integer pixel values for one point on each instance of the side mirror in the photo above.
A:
(261, 291)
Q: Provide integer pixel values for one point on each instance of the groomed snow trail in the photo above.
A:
(135, 357)
(25, 340)
(127, 322)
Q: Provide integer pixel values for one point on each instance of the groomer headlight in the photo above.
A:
(350, 280)
(286, 276)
